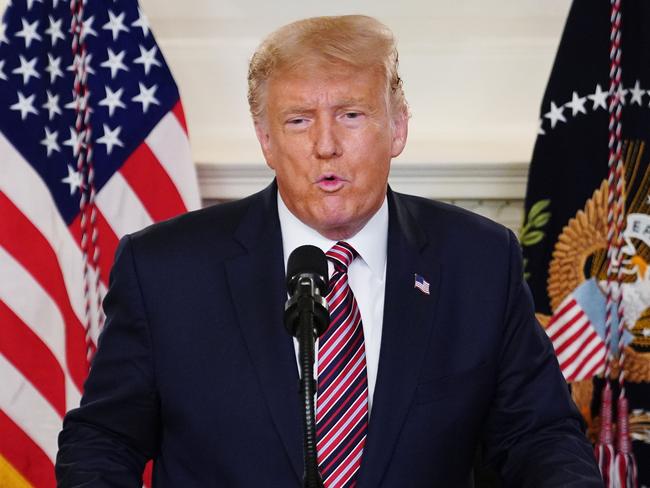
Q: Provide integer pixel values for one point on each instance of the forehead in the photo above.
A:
(322, 86)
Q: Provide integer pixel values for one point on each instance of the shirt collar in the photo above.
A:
(370, 242)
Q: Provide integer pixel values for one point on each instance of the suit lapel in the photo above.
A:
(407, 325)
(256, 279)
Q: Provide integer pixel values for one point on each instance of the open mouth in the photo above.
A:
(330, 181)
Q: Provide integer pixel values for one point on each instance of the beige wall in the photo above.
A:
(474, 70)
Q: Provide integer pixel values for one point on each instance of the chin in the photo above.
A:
(338, 229)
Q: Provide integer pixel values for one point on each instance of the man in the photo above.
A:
(433, 332)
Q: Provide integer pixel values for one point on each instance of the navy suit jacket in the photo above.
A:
(196, 371)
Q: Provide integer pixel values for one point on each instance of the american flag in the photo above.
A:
(93, 145)
(421, 284)
(579, 349)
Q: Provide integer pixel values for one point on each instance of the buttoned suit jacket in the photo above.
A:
(195, 369)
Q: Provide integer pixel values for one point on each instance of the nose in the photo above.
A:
(326, 141)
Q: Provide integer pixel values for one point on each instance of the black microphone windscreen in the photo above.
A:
(307, 259)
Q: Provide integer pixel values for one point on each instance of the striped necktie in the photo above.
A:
(342, 395)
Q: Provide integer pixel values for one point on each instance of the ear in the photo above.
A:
(400, 128)
(264, 137)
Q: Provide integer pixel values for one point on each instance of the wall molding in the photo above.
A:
(493, 190)
(442, 181)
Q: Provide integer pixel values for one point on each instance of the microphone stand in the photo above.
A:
(306, 317)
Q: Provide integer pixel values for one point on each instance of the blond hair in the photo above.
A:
(350, 40)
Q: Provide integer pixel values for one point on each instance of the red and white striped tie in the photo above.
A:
(342, 396)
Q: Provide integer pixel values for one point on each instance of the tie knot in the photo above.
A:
(341, 254)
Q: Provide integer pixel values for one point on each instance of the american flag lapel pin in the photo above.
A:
(421, 284)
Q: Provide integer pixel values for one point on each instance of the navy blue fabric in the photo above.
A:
(195, 369)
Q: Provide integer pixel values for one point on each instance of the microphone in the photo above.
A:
(307, 287)
(306, 317)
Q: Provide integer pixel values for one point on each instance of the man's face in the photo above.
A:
(330, 136)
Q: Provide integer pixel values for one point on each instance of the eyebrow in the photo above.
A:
(300, 109)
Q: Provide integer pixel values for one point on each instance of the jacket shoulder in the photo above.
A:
(213, 227)
(450, 223)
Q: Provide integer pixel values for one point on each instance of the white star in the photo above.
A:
(53, 67)
(2, 65)
(55, 3)
(28, 32)
(555, 114)
(3, 33)
(30, 3)
(87, 29)
(110, 138)
(114, 62)
(87, 59)
(142, 22)
(50, 141)
(112, 100)
(26, 69)
(75, 141)
(54, 30)
(540, 128)
(52, 105)
(146, 96)
(147, 58)
(621, 93)
(115, 24)
(73, 179)
(599, 98)
(577, 104)
(637, 93)
(25, 105)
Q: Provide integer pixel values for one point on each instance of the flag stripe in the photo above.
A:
(582, 347)
(599, 367)
(27, 408)
(28, 354)
(570, 349)
(179, 113)
(34, 201)
(560, 312)
(24, 455)
(152, 184)
(571, 320)
(168, 142)
(33, 306)
(107, 241)
(596, 356)
(51, 318)
(121, 207)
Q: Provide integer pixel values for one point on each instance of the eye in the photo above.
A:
(352, 115)
(296, 121)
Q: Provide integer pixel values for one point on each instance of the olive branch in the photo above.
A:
(531, 232)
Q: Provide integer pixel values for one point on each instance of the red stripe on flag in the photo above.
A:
(107, 241)
(32, 358)
(180, 115)
(581, 346)
(567, 306)
(35, 254)
(25, 456)
(600, 364)
(566, 329)
(597, 349)
(152, 184)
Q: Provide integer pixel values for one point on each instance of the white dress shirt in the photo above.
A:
(366, 275)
